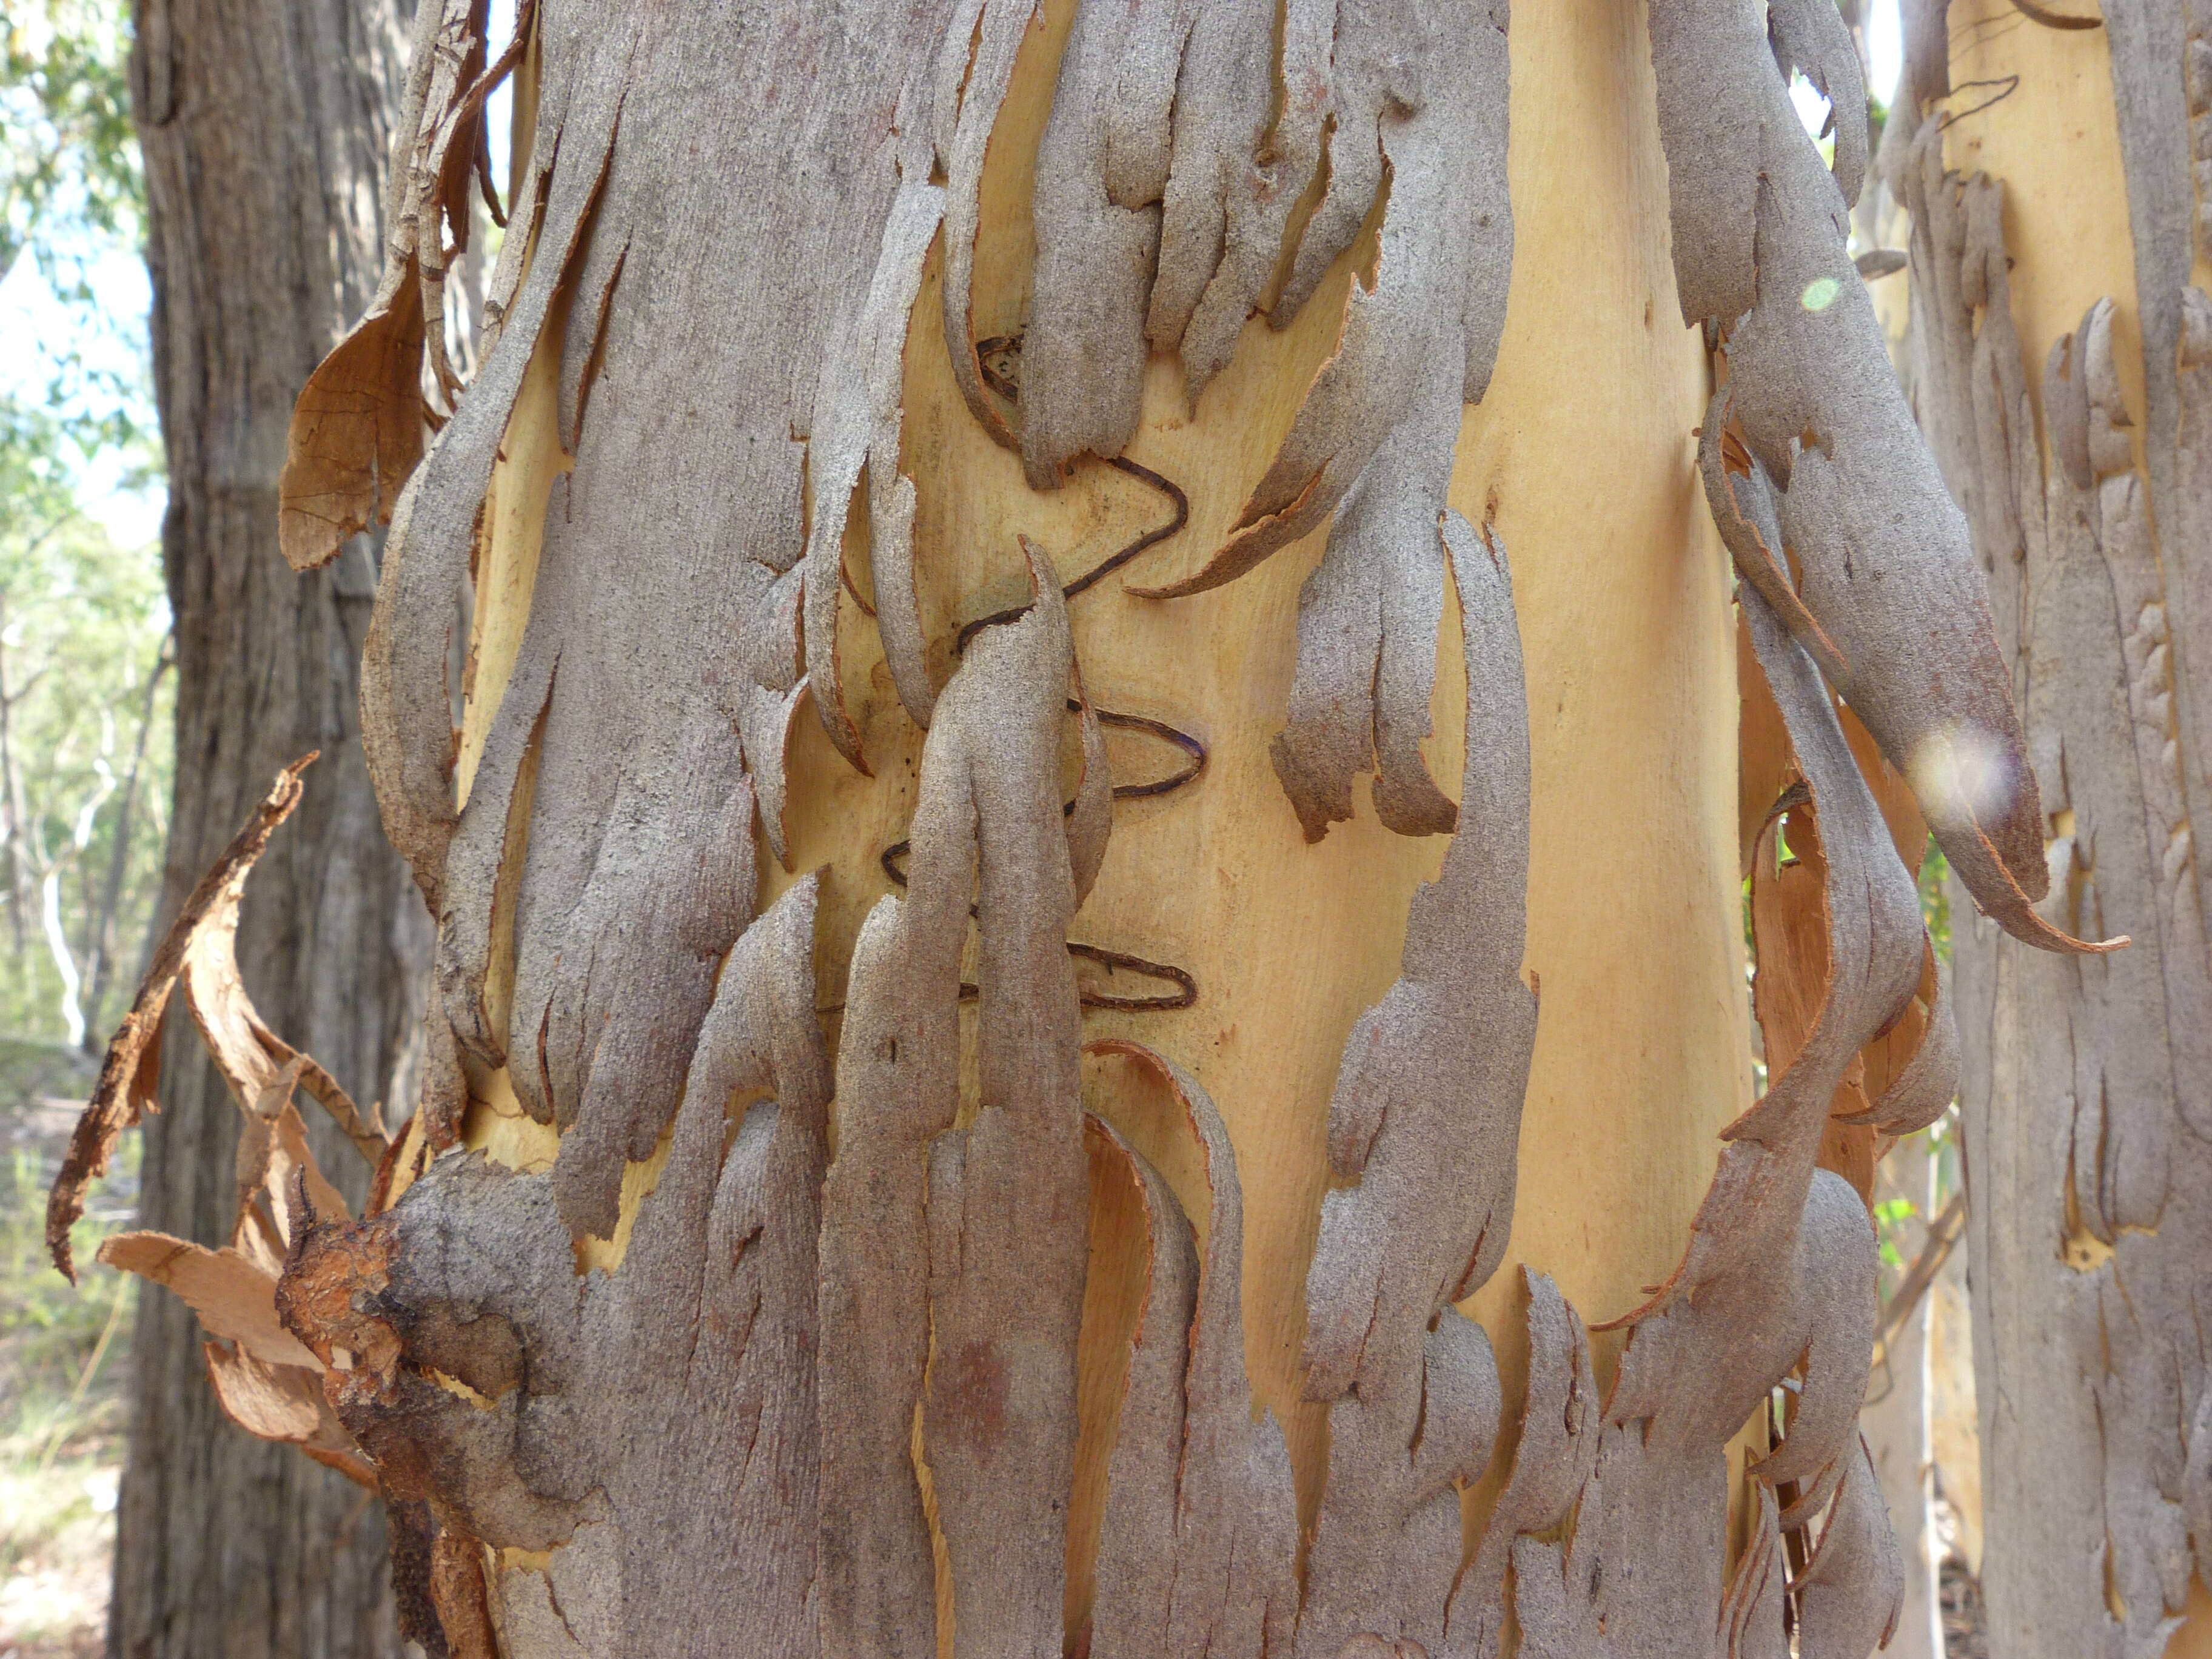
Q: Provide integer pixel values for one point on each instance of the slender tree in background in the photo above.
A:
(267, 130)
(2052, 162)
(950, 1116)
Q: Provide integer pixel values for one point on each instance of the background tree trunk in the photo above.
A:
(266, 127)
(2085, 1084)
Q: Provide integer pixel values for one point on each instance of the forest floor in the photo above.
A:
(63, 1360)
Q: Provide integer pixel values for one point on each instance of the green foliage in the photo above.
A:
(67, 149)
(1890, 1215)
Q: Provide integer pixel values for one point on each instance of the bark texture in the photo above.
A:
(703, 1356)
(2085, 1081)
(266, 130)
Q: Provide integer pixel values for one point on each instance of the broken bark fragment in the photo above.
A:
(1850, 1593)
(264, 1378)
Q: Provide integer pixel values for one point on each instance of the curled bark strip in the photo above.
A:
(406, 704)
(1552, 1465)
(1811, 35)
(1096, 245)
(1752, 1613)
(1001, 1400)
(999, 26)
(858, 422)
(1234, 1515)
(583, 335)
(1884, 565)
(234, 1298)
(284, 1404)
(589, 1405)
(1427, 1103)
(357, 432)
(199, 948)
(264, 1379)
(1090, 815)
(623, 1090)
(1137, 1540)
(1436, 303)
(897, 1084)
(1923, 1090)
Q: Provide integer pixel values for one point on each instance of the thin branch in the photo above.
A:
(1943, 1238)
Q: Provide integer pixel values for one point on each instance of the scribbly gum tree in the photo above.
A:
(957, 1123)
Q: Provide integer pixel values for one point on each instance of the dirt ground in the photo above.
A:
(63, 1356)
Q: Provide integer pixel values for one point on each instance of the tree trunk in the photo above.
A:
(969, 1133)
(2060, 323)
(267, 130)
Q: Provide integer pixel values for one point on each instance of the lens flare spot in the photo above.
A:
(1819, 294)
(1958, 772)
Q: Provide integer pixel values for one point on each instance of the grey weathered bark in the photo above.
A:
(266, 127)
(2086, 1083)
(940, 1359)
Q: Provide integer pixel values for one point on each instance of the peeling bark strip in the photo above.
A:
(1218, 1521)
(260, 1068)
(357, 432)
(1883, 590)
(2084, 1096)
(1779, 1277)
